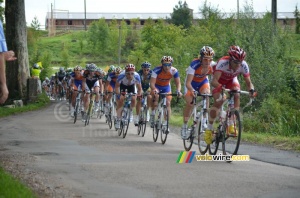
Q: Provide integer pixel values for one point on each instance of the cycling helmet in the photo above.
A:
(166, 59)
(111, 68)
(236, 53)
(146, 65)
(36, 66)
(61, 69)
(129, 67)
(47, 79)
(92, 67)
(118, 70)
(207, 52)
(77, 68)
(69, 70)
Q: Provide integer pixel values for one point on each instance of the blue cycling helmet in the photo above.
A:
(146, 65)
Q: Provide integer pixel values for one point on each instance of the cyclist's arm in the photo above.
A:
(189, 82)
(117, 88)
(178, 84)
(248, 83)
(215, 81)
(139, 86)
(152, 83)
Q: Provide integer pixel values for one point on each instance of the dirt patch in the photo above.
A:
(21, 167)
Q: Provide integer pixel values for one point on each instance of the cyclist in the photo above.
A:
(110, 85)
(197, 80)
(128, 80)
(76, 81)
(225, 76)
(145, 75)
(160, 83)
(52, 86)
(90, 80)
(68, 81)
(60, 83)
(46, 86)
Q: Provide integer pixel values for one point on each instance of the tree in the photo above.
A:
(182, 15)
(1, 10)
(35, 24)
(17, 72)
(297, 15)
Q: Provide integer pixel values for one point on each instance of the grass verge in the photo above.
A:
(42, 101)
(11, 187)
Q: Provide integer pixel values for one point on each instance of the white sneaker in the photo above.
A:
(117, 124)
(183, 132)
(152, 121)
(96, 106)
(131, 117)
(136, 121)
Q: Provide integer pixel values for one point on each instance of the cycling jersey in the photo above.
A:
(227, 73)
(200, 75)
(91, 81)
(122, 79)
(60, 75)
(112, 78)
(163, 78)
(145, 80)
(77, 79)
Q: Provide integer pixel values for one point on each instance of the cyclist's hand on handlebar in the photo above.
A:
(179, 94)
(252, 93)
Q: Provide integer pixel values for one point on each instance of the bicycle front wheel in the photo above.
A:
(156, 127)
(233, 133)
(165, 126)
(126, 121)
(144, 123)
(89, 114)
(76, 111)
(188, 143)
(109, 118)
(203, 147)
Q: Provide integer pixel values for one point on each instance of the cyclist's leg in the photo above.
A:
(186, 113)
(235, 85)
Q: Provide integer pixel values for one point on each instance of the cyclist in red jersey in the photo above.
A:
(225, 76)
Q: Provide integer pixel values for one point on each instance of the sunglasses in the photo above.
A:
(130, 73)
(237, 62)
(167, 64)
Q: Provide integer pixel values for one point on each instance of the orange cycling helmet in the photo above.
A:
(236, 53)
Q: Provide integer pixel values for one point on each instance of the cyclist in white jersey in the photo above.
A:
(128, 80)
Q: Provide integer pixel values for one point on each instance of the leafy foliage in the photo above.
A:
(181, 15)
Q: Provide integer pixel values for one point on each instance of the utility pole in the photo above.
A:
(238, 9)
(274, 11)
(120, 36)
(85, 15)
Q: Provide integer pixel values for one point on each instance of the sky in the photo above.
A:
(39, 8)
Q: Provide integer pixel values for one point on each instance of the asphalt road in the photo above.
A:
(93, 161)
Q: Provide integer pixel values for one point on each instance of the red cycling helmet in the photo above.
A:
(236, 53)
(129, 67)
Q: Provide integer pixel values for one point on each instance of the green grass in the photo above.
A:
(11, 187)
(42, 101)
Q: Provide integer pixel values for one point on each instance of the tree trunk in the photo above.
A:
(17, 72)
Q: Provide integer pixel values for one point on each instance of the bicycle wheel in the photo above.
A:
(165, 126)
(144, 121)
(213, 147)
(76, 111)
(126, 121)
(156, 127)
(109, 118)
(188, 143)
(89, 114)
(140, 126)
(203, 147)
(70, 99)
(232, 140)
